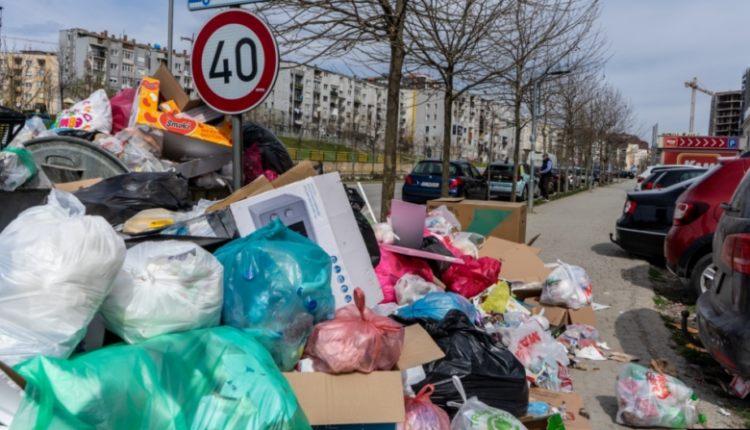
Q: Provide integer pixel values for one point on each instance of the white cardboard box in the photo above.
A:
(318, 207)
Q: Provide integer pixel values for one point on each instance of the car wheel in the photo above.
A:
(703, 274)
(524, 194)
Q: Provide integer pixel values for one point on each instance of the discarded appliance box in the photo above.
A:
(12, 386)
(520, 262)
(573, 404)
(503, 220)
(312, 207)
(560, 316)
(357, 398)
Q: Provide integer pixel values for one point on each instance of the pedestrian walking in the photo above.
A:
(546, 174)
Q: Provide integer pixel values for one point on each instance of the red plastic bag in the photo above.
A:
(422, 414)
(252, 167)
(393, 267)
(122, 106)
(356, 339)
(473, 277)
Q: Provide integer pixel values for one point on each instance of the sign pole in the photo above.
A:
(237, 151)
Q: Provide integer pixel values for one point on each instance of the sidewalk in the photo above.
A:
(576, 230)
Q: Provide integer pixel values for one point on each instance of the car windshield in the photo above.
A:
(433, 168)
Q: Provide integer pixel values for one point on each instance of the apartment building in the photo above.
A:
(116, 62)
(726, 114)
(29, 81)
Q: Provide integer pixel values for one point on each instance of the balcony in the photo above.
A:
(97, 53)
(334, 93)
(298, 86)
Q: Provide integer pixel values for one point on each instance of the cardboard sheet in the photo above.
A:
(573, 404)
(72, 187)
(520, 262)
(503, 220)
(561, 316)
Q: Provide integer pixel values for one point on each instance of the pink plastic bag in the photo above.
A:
(422, 414)
(393, 267)
(473, 277)
(356, 339)
(122, 106)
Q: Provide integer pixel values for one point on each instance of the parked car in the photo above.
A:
(500, 176)
(646, 220)
(724, 310)
(652, 169)
(423, 183)
(553, 184)
(687, 248)
(574, 178)
(666, 178)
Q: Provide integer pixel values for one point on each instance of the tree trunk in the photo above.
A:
(517, 149)
(391, 123)
(447, 123)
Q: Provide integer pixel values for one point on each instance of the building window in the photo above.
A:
(128, 55)
(127, 68)
(40, 84)
(141, 60)
(27, 85)
(28, 96)
(325, 98)
(307, 106)
(28, 63)
(325, 86)
(427, 130)
(41, 95)
(178, 66)
(325, 74)
(435, 117)
(115, 53)
(113, 66)
(112, 80)
(428, 117)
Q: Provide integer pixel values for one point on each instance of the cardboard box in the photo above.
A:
(520, 262)
(72, 187)
(573, 404)
(560, 316)
(503, 220)
(172, 90)
(356, 398)
(312, 207)
(169, 107)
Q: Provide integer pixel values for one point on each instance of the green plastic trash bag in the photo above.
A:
(210, 379)
(277, 284)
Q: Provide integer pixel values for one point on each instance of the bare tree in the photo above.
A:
(26, 77)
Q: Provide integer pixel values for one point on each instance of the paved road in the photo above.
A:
(575, 229)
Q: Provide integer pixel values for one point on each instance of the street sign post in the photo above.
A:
(235, 62)
(194, 5)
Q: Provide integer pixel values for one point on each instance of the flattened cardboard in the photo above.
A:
(171, 90)
(356, 398)
(549, 422)
(503, 220)
(520, 262)
(561, 316)
(573, 404)
(72, 187)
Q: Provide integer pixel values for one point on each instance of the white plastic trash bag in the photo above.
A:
(92, 114)
(567, 286)
(165, 287)
(475, 415)
(411, 288)
(57, 265)
(530, 342)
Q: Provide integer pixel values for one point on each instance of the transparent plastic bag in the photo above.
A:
(411, 288)
(552, 375)
(475, 415)
(165, 287)
(217, 378)
(152, 219)
(650, 399)
(57, 267)
(384, 233)
(277, 284)
(113, 145)
(422, 414)
(357, 339)
(16, 168)
(138, 159)
(567, 286)
(442, 221)
(436, 305)
(530, 342)
(33, 127)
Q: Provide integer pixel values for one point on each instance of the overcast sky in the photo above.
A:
(656, 46)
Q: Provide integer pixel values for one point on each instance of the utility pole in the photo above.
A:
(694, 85)
(169, 38)
(654, 138)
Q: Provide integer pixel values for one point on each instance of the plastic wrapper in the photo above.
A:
(138, 159)
(152, 219)
(91, 114)
(437, 305)
(57, 267)
(144, 137)
(357, 339)
(121, 197)
(411, 288)
(476, 415)
(165, 287)
(32, 129)
(473, 277)
(497, 299)
(16, 168)
(422, 414)
(218, 378)
(581, 331)
(277, 285)
(441, 221)
(567, 286)
(113, 145)
(384, 233)
(530, 342)
(122, 107)
(488, 370)
(551, 375)
(393, 267)
(650, 399)
(273, 153)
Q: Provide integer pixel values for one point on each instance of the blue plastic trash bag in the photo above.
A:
(216, 378)
(277, 285)
(436, 305)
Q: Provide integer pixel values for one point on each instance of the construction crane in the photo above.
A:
(694, 85)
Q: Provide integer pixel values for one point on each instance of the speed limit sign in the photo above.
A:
(235, 61)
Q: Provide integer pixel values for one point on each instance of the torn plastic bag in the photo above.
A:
(120, 197)
(217, 378)
(650, 399)
(476, 415)
(437, 305)
(393, 267)
(487, 370)
(411, 288)
(164, 287)
(16, 168)
(57, 267)
(435, 246)
(356, 340)
(277, 284)
(274, 155)
(422, 414)
(473, 277)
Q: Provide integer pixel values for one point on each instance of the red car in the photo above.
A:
(687, 247)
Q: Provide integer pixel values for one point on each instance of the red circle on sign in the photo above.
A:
(268, 75)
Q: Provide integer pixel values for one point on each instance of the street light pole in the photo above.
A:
(169, 37)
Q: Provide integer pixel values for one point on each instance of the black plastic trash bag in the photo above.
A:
(433, 245)
(81, 134)
(368, 234)
(273, 153)
(120, 197)
(487, 369)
